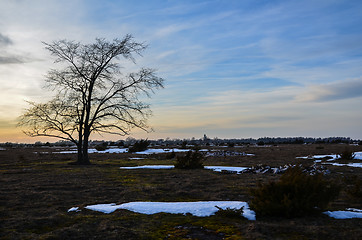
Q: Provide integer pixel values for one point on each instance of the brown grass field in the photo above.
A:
(37, 189)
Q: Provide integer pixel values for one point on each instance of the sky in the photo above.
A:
(232, 69)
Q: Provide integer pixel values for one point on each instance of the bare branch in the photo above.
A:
(92, 93)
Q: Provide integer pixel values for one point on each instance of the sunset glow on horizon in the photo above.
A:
(232, 69)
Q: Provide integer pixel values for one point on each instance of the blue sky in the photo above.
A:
(233, 69)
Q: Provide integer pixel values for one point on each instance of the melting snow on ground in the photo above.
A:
(74, 209)
(199, 209)
(160, 150)
(124, 150)
(358, 155)
(349, 213)
(238, 170)
(214, 168)
(347, 164)
(333, 157)
(219, 153)
(93, 150)
(150, 167)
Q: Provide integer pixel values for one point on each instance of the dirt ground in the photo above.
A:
(38, 186)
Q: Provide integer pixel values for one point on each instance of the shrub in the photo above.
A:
(347, 154)
(230, 212)
(296, 194)
(171, 155)
(101, 147)
(191, 160)
(139, 146)
(184, 145)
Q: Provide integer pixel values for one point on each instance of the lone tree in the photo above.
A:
(92, 93)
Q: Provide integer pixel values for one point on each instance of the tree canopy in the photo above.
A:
(93, 94)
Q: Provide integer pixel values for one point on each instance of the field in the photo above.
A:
(38, 187)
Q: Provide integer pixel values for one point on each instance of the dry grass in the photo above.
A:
(36, 191)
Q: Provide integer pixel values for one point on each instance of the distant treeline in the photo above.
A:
(205, 141)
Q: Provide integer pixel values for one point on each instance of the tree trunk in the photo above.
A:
(82, 149)
(80, 152)
(85, 158)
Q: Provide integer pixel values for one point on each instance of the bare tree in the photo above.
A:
(92, 93)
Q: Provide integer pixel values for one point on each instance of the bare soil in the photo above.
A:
(37, 189)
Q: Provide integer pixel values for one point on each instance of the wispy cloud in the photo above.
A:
(251, 67)
(10, 60)
(5, 57)
(332, 91)
(5, 40)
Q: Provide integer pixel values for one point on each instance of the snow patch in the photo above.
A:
(347, 164)
(238, 170)
(199, 209)
(350, 213)
(219, 153)
(150, 167)
(124, 150)
(74, 209)
(358, 155)
(332, 157)
(93, 150)
(166, 150)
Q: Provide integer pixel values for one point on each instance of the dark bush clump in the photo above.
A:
(139, 146)
(347, 154)
(296, 194)
(230, 212)
(184, 145)
(101, 147)
(192, 160)
(171, 155)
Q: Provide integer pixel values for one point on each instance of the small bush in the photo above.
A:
(230, 212)
(101, 147)
(171, 155)
(296, 194)
(347, 154)
(192, 160)
(139, 146)
(184, 145)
